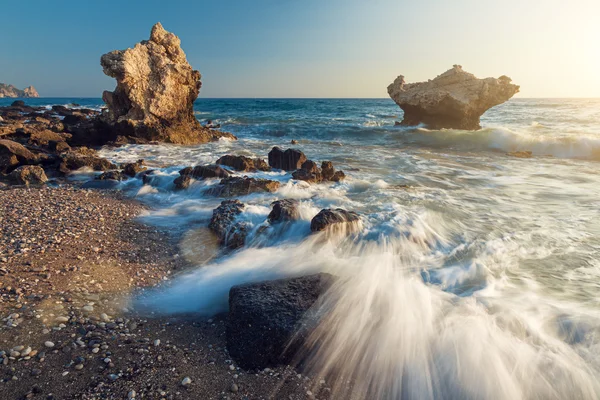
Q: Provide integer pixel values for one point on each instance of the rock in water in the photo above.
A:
(284, 210)
(242, 163)
(328, 217)
(156, 89)
(265, 316)
(289, 160)
(241, 186)
(455, 99)
(223, 223)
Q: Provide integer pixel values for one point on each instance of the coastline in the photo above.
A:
(67, 276)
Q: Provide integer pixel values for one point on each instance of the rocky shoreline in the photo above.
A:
(70, 259)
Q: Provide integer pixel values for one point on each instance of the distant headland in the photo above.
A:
(7, 90)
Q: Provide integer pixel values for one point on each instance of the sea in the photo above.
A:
(474, 274)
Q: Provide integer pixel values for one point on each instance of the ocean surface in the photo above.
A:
(474, 274)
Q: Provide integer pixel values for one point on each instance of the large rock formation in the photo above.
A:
(11, 91)
(156, 89)
(455, 99)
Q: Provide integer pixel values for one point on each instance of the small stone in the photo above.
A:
(113, 377)
(234, 388)
(62, 319)
(95, 350)
(49, 344)
(232, 367)
(36, 372)
(79, 367)
(104, 317)
(186, 381)
(88, 308)
(157, 342)
(131, 395)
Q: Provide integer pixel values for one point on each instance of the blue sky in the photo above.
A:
(310, 48)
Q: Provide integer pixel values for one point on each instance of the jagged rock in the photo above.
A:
(132, 169)
(284, 210)
(11, 91)
(289, 160)
(241, 186)
(112, 175)
(223, 223)
(269, 321)
(328, 217)
(242, 163)
(28, 175)
(156, 89)
(13, 154)
(84, 157)
(455, 99)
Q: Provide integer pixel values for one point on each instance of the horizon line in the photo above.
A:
(292, 98)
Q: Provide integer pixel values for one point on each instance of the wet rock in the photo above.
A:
(184, 179)
(13, 154)
(265, 316)
(240, 186)
(328, 217)
(132, 169)
(100, 184)
(520, 154)
(28, 175)
(155, 93)
(289, 160)
(112, 175)
(183, 182)
(455, 99)
(310, 172)
(242, 163)
(223, 223)
(284, 210)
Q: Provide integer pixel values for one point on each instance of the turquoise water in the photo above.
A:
(474, 275)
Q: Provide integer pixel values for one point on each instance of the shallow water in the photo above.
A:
(475, 275)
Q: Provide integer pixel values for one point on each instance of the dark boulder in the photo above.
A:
(132, 169)
(328, 217)
(18, 103)
(13, 154)
(242, 163)
(28, 175)
(223, 223)
(240, 186)
(182, 182)
(284, 210)
(289, 160)
(269, 321)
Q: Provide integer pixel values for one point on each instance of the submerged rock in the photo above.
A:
(284, 210)
(269, 321)
(242, 163)
(28, 175)
(112, 175)
(328, 217)
(156, 89)
(455, 99)
(184, 179)
(520, 154)
(289, 160)
(241, 186)
(223, 223)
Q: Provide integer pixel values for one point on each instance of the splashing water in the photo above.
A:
(473, 275)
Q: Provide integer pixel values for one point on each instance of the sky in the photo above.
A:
(309, 48)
